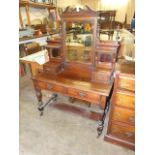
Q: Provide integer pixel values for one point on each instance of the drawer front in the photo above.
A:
(51, 87)
(123, 115)
(59, 89)
(126, 133)
(84, 95)
(126, 83)
(125, 100)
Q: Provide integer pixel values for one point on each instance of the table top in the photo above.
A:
(66, 81)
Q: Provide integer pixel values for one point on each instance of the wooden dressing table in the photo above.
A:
(76, 73)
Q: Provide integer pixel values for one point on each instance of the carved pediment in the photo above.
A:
(85, 11)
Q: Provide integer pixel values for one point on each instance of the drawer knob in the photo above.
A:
(129, 134)
(81, 94)
(132, 119)
(49, 86)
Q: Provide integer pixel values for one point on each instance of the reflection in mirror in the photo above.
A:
(79, 41)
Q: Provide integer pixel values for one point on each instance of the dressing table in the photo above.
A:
(84, 67)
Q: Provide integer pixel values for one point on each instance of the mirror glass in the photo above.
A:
(79, 41)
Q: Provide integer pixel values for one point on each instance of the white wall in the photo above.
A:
(130, 10)
(64, 3)
(93, 4)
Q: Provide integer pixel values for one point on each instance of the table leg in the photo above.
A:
(101, 122)
(39, 97)
(106, 108)
(41, 105)
(40, 102)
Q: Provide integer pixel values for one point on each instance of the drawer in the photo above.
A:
(126, 83)
(84, 95)
(123, 115)
(124, 99)
(59, 89)
(51, 87)
(126, 133)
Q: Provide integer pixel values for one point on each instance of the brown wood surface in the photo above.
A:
(126, 67)
(123, 132)
(66, 81)
(121, 125)
(123, 115)
(102, 76)
(79, 71)
(126, 82)
(118, 141)
(124, 99)
(53, 67)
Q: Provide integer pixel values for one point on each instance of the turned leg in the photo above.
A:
(39, 97)
(40, 103)
(104, 105)
(42, 106)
